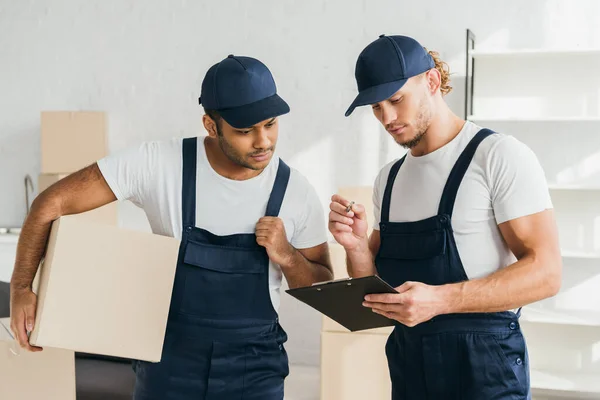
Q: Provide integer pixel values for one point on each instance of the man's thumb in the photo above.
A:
(29, 318)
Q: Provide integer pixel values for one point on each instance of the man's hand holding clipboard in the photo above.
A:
(343, 300)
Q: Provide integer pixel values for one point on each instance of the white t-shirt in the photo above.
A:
(150, 176)
(504, 181)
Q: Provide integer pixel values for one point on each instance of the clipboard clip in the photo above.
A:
(332, 281)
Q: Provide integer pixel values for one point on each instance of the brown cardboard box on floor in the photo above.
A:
(354, 367)
(48, 375)
(338, 261)
(107, 214)
(71, 140)
(105, 290)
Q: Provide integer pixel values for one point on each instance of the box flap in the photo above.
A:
(5, 332)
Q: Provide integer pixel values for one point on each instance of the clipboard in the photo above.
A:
(341, 300)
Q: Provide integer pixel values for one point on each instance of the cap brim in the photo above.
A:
(375, 94)
(251, 114)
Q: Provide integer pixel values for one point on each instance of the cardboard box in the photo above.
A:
(71, 140)
(107, 214)
(338, 261)
(354, 367)
(105, 290)
(48, 375)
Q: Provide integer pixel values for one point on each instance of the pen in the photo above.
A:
(349, 207)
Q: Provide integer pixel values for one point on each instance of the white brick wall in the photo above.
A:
(143, 63)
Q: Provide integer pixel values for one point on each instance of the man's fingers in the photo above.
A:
(340, 208)
(381, 306)
(269, 221)
(340, 205)
(262, 238)
(29, 317)
(339, 227)
(336, 198)
(335, 217)
(386, 314)
(20, 331)
(359, 211)
(262, 226)
(405, 286)
(389, 298)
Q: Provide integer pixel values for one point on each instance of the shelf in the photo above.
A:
(9, 238)
(534, 53)
(558, 187)
(580, 254)
(565, 317)
(568, 382)
(476, 118)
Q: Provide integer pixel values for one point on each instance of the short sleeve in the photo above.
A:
(129, 172)
(378, 191)
(517, 181)
(311, 229)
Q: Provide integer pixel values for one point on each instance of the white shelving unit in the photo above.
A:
(525, 53)
(557, 187)
(563, 333)
(564, 384)
(566, 317)
(569, 119)
(580, 255)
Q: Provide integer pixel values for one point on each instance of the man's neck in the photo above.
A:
(223, 166)
(443, 128)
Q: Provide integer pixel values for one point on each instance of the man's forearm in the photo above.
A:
(526, 281)
(300, 271)
(359, 262)
(32, 243)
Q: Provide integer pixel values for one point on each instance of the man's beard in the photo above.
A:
(421, 126)
(236, 157)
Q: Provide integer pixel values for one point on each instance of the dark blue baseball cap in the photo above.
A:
(385, 65)
(243, 91)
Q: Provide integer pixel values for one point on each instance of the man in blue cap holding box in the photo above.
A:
(244, 219)
(464, 231)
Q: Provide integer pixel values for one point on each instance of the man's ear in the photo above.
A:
(434, 80)
(210, 125)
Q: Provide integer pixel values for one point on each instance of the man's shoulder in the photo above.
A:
(155, 147)
(164, 152)
(298, 181)
(500, 147)
(383, 174)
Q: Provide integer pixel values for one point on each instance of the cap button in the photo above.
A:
(230, 56)
(382, 35)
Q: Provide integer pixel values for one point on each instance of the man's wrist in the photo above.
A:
(20, 286)
(290, 257)
(360, 250)
(451, 298)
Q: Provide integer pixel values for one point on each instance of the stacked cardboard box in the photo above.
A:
(71, 140)
(353, 364)
(49, 374)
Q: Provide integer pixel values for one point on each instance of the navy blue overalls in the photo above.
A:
(478, 356)
(223, 339)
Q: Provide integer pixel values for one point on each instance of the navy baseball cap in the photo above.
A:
(385, 65)
(243, 91)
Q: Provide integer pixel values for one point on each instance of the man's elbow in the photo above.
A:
(46, 207)
(553, 276)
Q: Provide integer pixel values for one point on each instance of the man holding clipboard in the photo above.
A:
(464, 232)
